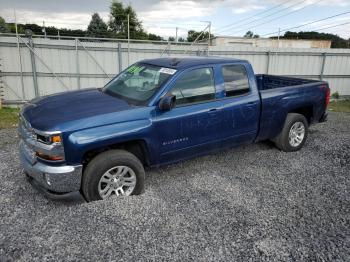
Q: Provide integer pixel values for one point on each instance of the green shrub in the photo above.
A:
(335, 95)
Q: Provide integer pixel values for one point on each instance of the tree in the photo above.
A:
(97, 28)
(117, 18)
(250, 34)
(118, 26)
(3, 26)
(50, 30)
(337, 41)
(192, 35)
(154, 37)
(171, 39)
(118, 22)
(181, 39)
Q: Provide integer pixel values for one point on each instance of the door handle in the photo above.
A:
(251, 103)
(212, 110)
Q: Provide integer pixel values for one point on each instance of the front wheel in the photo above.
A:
(113, 173)
(293, 134)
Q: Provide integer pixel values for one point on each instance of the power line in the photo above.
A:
(289, 13)
(327, 24)
(261, 18)
(312, 22)
(171, 27)
(268, 15)
(331, 26)
(247, 18)
(278, 17)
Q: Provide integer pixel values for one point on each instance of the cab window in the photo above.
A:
(235, 79)
(194, 86)
(138, 83)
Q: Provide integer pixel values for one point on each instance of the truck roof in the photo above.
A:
(185, 62)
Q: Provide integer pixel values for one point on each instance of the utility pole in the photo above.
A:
(209, 30)
(190, 49)
(176, 39)
(128, 39)
(278, 39)
(58, 34)
(44, 29)
(209, 40)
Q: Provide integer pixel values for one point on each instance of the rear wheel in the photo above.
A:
(293, 134)
(113, 173)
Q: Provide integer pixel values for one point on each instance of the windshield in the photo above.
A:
(139, 82)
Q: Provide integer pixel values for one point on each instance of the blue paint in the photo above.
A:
(90, 119)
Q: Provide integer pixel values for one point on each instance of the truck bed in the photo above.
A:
(281, 95)
(266, 82)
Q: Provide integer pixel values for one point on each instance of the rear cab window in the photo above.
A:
(235, 80)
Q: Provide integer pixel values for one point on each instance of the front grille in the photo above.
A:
(28, 139)
(25, 130)
(28, 152)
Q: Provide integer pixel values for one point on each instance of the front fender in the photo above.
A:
(80, 142)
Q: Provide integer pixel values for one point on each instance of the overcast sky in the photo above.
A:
(163, 16)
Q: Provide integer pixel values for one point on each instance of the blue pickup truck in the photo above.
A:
(159, 111)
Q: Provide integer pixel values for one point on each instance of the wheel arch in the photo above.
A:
(137, 147)
(306, 111)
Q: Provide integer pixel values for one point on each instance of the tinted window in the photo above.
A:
(236, 80)
(194, 86)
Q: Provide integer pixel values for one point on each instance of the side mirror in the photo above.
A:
(167, 103)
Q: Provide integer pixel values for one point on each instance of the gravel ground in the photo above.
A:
(246, 204)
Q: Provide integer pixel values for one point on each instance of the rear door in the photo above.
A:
(240, 105)
(192, 126)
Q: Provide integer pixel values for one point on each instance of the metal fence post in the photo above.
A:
(77, 63)
(120, 57)
(324, 55)
(268, 62)
(1, 87)
(32, 60)
(21, 68)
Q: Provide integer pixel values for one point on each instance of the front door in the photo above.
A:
(191, 127)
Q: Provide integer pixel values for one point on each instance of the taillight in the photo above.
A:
(328, 95)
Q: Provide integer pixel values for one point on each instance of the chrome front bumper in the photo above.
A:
(58, 179)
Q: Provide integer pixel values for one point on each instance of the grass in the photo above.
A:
(340, 106)
(8, 117)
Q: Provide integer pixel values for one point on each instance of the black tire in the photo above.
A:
(282, 140)
(105, 161)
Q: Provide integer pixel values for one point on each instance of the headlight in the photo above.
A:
(53, 148)
(56, 139)
(49, 139)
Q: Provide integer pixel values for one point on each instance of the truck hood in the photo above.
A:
(54, 112)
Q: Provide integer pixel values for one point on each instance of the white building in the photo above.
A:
(268, 42)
